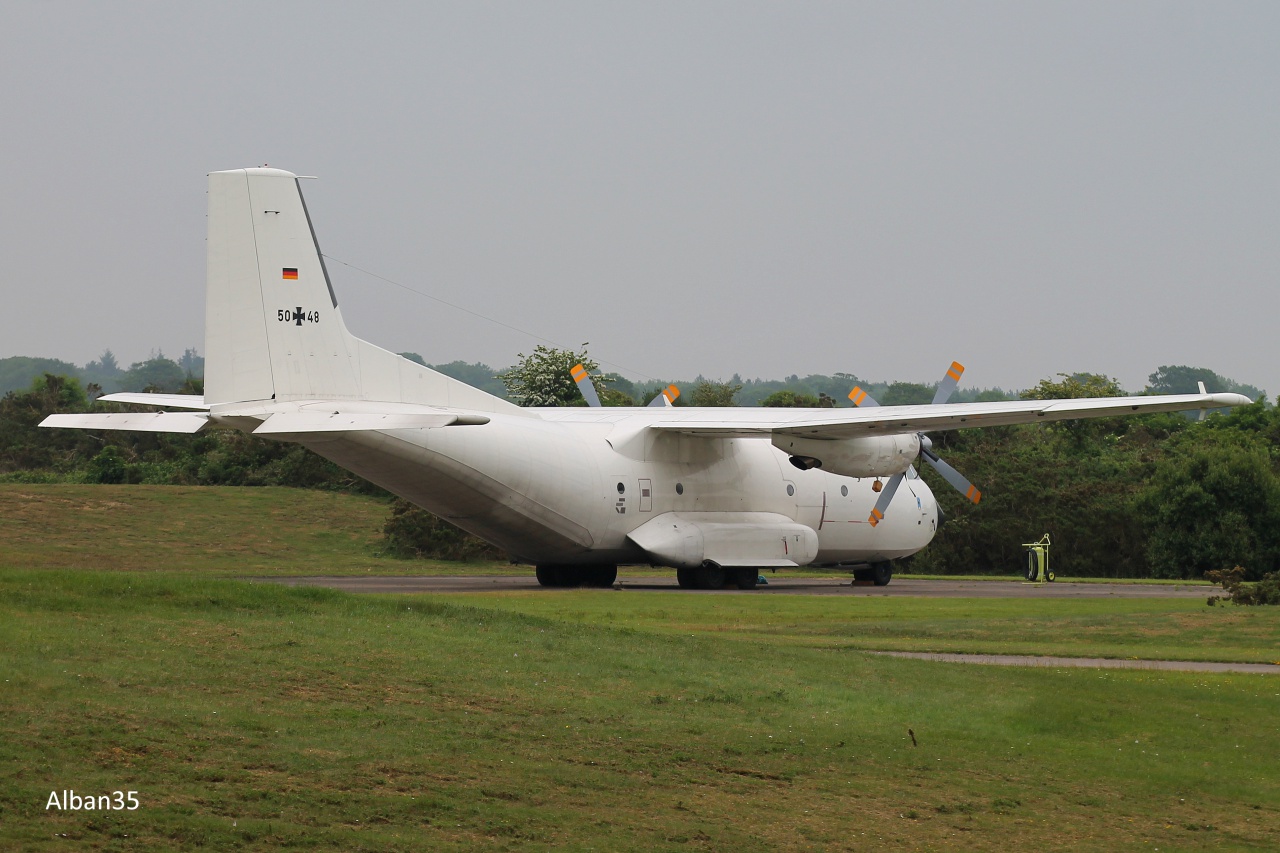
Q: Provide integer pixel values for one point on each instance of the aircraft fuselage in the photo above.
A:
(558, 491)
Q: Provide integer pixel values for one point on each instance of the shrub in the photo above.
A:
(1265, 591)
(107, 467)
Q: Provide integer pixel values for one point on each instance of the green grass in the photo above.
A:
(228, 532)
(1160, 628)
(255, 716)
(216, 531)
(261, 716)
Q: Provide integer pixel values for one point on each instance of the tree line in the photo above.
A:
(104, 375)
(1153, 496)
(547, 369)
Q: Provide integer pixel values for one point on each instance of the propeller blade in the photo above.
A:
(588, 390)
(947, 386)
(957, 480)
(886, 495)
(861, 398)
(667, 397)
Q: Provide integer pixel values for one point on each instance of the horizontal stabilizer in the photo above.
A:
(173, 401)
(299, 422)
(139, 421)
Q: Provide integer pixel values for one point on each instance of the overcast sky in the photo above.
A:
(760, 188)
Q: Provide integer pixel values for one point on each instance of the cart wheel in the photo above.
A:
(1049, 576)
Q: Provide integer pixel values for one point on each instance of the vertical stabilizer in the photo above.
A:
(272, 326)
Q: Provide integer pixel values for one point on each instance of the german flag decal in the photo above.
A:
(291, 273)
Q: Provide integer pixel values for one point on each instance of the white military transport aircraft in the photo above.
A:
(717, 494)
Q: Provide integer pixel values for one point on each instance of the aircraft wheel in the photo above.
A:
(1033, 565)
(711, 576)
(864, 574)
(748, 578)
(550, 576)
(883, 573)
(602, 576)
(687, 578)
(576, 576)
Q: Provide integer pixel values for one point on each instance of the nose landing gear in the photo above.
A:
(877, 573)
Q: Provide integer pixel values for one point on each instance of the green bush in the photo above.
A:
(1265, 591)
(107, 467)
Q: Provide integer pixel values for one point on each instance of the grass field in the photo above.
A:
(1163, 629)
(216, 531)
(226, 532)
(255, 716)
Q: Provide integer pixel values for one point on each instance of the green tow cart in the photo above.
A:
(1038, 561)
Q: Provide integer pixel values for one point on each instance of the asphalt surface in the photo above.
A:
(778, 585)
(1093, 663)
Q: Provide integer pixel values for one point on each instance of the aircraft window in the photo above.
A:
(791, 490)
(621, 488)
(844, 491)
(679, 488)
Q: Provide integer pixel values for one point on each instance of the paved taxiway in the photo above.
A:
(1090, 663)
(778, 585)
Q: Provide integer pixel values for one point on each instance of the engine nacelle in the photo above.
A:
(869, 456)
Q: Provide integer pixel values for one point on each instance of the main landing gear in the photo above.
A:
(566, 576)
(713, 576)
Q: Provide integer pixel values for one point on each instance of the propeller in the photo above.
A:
(667, 397)
(886, 497)
(588, 389)
(958, 481)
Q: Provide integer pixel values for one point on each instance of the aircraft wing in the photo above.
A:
(888, 420)
(173, 401)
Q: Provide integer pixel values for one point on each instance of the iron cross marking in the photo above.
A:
(298, 316)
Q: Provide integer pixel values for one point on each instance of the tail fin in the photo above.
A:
(273, 330)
